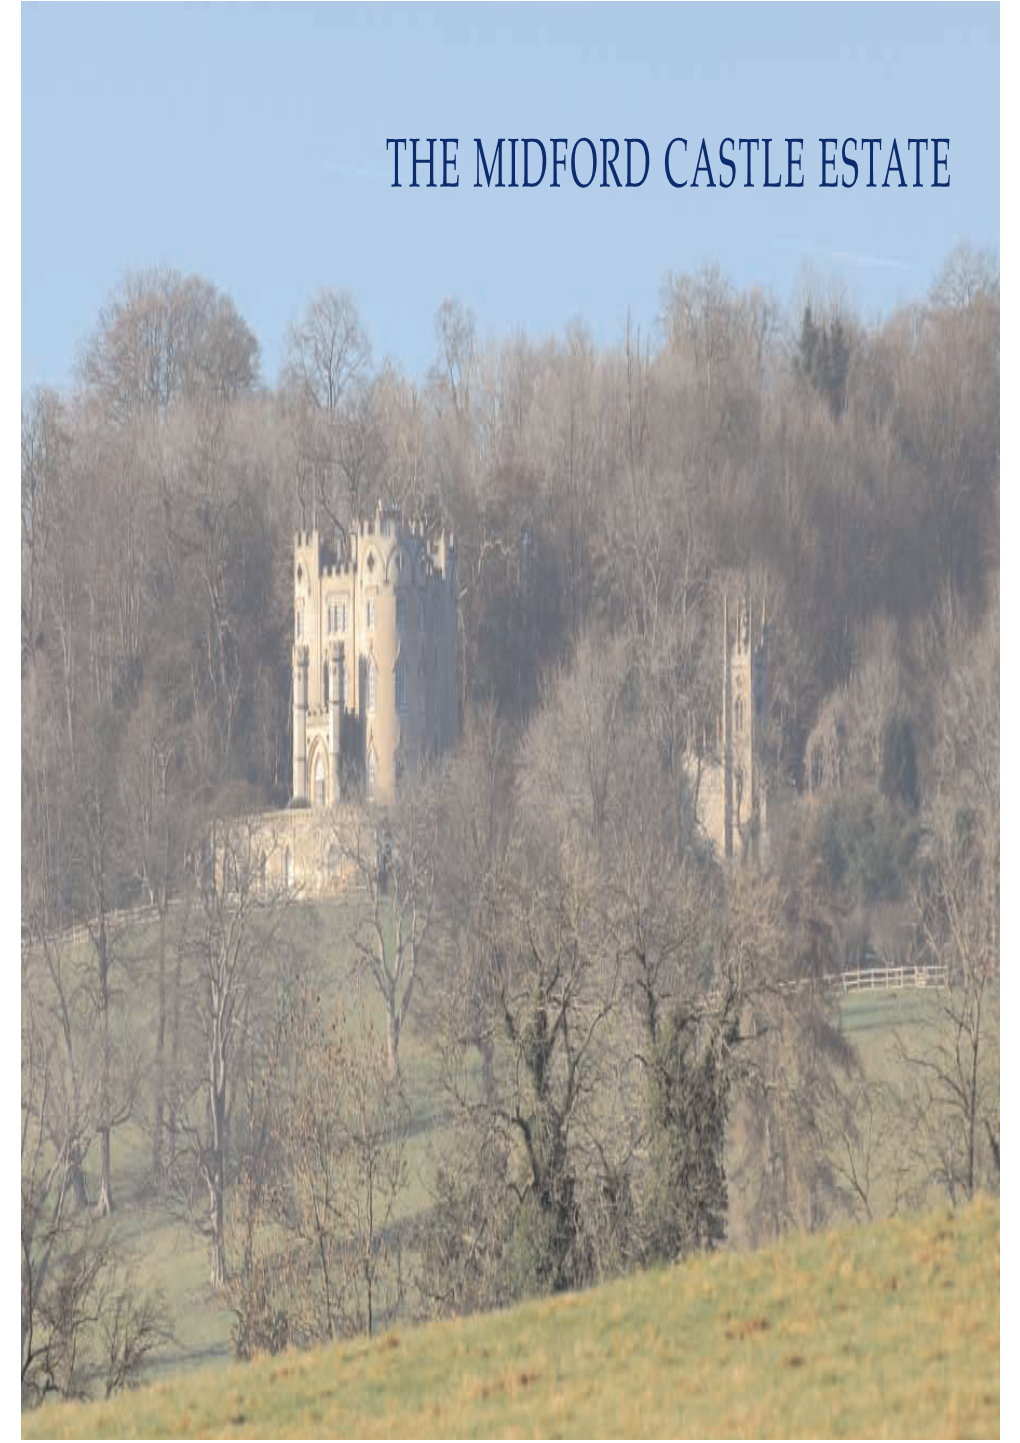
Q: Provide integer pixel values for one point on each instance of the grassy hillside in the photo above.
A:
(891, 1330)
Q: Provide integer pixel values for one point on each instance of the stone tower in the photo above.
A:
(375, 656)
(728, 785)
(744, 700)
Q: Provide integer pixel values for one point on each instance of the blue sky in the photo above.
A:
(248, 144)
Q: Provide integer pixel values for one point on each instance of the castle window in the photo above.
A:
(299, 622)
(738, 714)
(320, 782)
(401, 686)
(401, 611)
(370, 614)
(372, 673)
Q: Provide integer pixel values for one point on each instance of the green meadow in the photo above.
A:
(890, 1330)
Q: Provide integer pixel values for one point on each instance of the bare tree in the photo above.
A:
(317, 1226)
(327, 352)
(476, 838)
(951, 1063)
(393, 857)
(231, 937)
(162, 337)
(455, 355)
(45, 440)
(83, 1317)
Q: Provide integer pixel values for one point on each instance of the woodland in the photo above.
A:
(610, 1049)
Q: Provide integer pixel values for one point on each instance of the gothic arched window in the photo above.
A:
(738, 714)
(320, 782)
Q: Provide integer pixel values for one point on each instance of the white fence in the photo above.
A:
(888, 979)
(863, 979)
(80, 932)
(83, 931)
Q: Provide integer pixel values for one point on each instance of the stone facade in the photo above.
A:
(375, 658)
(731, 793)
(300, 849)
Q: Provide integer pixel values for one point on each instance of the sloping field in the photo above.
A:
(890, 1330)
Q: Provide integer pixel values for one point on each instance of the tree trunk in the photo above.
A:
(104, 1204)
(218, 1165)
(158, 1160)
(484, 1045)
(175, 1047)
(218, 1261)
(79, 1191)
(393, 1041)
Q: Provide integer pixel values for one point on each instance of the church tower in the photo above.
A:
(744, 701)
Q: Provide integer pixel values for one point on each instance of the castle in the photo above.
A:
(375, 694)
(375, 657)
(730, 790)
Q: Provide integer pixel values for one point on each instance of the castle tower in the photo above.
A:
(744, 692)
(336, 705)
(377, 621)
(300, 721)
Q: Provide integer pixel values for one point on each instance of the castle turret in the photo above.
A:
(300, 722)
(336, 705)
(743, 704)
(379, 622)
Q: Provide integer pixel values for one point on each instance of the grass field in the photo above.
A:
(885, 1331)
